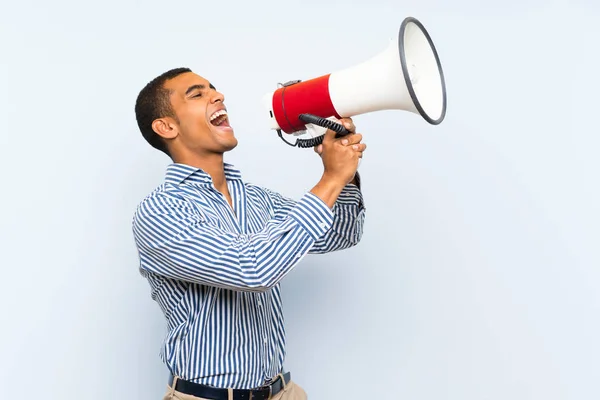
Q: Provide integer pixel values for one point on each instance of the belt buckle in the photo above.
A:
(270, 393)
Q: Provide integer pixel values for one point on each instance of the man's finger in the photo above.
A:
(348, 124)
(360, 147)
(329, 135)
(351, 139)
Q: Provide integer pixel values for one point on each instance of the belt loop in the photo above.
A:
(173, 386)
(229, 394)
(280, 375)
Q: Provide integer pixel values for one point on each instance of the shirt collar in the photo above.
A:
(178, 173)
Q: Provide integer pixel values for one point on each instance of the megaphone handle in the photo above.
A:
(325, 123)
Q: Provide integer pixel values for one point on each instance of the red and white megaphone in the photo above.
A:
(406, 76)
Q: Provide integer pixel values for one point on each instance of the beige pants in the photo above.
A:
(291, 391)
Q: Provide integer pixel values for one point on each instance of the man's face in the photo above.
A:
(203, 125)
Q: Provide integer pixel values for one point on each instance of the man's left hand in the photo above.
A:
(352, 138)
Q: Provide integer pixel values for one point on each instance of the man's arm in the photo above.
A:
(348, 218)
(349, 211)
(174, 241)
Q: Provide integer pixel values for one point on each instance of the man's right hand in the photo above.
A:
(340, 160)
(341, 155)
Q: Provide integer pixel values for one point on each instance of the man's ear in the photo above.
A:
(165, 128)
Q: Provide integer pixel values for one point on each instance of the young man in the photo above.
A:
(214, 248)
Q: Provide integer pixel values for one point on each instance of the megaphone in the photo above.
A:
(406, 76)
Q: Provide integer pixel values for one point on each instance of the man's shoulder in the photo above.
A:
(253, 187)
(162, 195)
(165, 189)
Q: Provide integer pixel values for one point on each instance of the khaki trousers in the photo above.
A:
(291, 391)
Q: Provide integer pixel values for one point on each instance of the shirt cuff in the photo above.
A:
(313, 215)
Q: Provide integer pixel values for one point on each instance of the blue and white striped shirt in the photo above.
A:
(215, 271)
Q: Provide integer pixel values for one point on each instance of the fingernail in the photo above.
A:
(345, 141)
(355, 147)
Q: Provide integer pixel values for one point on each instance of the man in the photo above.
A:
(215, 248)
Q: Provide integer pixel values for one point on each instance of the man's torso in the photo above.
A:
(218, 336)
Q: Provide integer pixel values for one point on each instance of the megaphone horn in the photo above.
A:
(406, 76)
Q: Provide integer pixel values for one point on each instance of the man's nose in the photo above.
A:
(218, 97)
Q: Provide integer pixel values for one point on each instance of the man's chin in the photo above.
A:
(224, 135)
(229, 144)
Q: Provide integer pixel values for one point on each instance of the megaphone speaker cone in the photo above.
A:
(422, 70)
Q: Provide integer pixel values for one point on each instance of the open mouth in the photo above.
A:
(219, 118)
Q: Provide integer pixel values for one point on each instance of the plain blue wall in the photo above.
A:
(477, 277)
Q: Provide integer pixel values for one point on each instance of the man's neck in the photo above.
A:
(212, 164)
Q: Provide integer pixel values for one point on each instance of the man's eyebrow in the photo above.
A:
(194, 87)
(198, 86)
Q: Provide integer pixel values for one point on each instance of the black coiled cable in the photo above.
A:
(316, 120)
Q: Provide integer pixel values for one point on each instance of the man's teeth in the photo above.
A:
(217, 115)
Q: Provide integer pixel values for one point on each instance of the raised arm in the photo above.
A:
(348, 218)
(174, 240)
(349, 212)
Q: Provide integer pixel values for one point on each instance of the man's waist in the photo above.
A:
(244, 374)
(264, 392)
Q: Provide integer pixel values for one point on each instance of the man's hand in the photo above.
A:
(353, 139)
(341, 155)
(348, 124)
(340, 159)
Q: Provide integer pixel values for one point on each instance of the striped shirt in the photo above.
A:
(215, 270)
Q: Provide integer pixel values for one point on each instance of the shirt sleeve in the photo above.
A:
(348, 219)
(175, 241)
